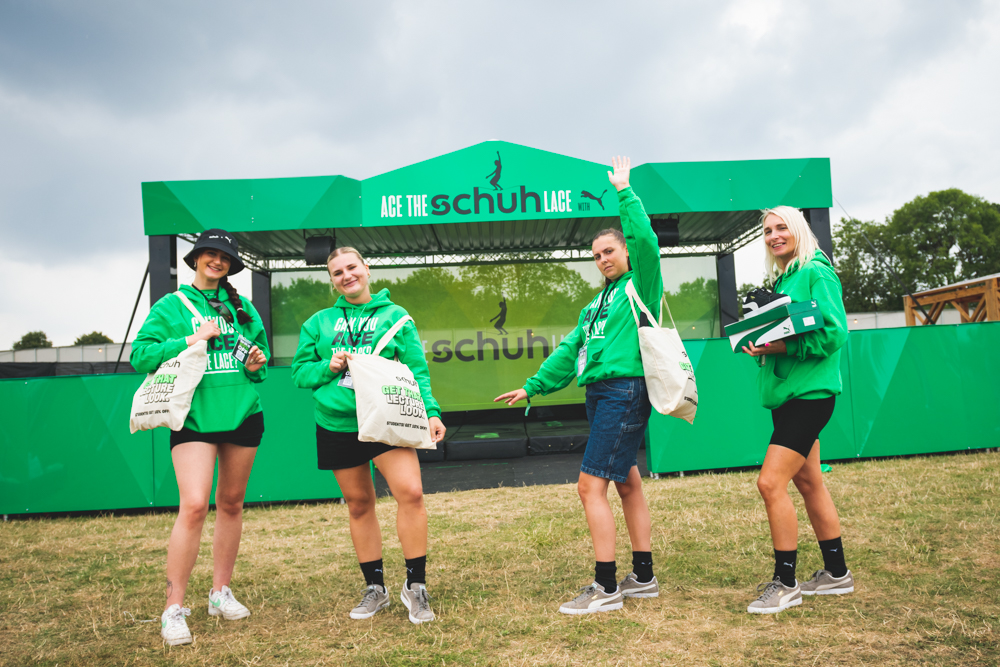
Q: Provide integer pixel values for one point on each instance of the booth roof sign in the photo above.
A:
(494, 181)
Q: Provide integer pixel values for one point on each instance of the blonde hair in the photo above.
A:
(343, 250)
(806, 243)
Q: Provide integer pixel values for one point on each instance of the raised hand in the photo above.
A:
(622, 166)
(512, 397)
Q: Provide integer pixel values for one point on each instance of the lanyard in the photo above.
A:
(350, 333)
(218, 306)
(600, 305)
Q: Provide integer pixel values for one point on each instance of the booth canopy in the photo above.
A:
(491, 198)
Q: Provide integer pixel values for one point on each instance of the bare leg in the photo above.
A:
(819, 504)
(594, 495)
(359, 492)
(235, 463)
(636, 511)
(401, 470)
(194, 465)
(780, 465)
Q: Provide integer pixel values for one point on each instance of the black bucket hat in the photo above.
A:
(218, 239)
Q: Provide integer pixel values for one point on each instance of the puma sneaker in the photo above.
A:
(222, 603)
(759, 300)
(375, 599)
(173, 627)
(417, 602)
(593, 599)
(631, 588)
(824, 583)
(775, 597)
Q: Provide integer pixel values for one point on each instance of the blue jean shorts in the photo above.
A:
(618, 410)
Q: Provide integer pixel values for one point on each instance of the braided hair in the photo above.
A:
(234, 298)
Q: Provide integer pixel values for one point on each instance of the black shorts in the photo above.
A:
(798, 422)
(247, 434)
(339, 451)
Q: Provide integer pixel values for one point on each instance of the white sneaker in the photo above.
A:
(173, 627)
(222, 602)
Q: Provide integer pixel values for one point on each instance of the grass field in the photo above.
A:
(921, 536)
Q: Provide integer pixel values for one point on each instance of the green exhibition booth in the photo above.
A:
(488, 249)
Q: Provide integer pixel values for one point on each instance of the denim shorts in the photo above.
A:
(618, 410)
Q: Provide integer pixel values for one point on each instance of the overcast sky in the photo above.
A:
(96, 97)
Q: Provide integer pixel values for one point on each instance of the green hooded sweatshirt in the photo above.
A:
(606, 325)
(811, 367)
(226, 395)
(355, 329)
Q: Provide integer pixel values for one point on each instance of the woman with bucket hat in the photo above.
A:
(225, 422)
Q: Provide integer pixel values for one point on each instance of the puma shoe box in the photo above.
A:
(774, 324)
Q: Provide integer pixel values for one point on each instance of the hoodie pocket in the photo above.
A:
(783, 365)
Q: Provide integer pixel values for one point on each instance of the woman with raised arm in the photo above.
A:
(355, 324)
(602, 353)
(225, 423)
(798, 381)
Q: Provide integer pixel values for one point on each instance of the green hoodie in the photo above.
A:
(811, 367)
(226, 395)
(355, 329)
(612, 340)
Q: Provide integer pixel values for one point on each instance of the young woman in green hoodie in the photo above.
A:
(354, 325)
(225, 423)
(602, 354)
(798, 381)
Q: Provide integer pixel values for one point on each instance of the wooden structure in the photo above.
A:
(976, 300)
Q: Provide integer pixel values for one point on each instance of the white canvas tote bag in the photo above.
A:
(669, 374)
(390, 408)
(164, 397)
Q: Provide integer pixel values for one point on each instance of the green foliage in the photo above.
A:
(935, 240)
(293, 304)
(32, 340)
(93, 338)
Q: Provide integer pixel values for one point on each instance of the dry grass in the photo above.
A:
(921, 536)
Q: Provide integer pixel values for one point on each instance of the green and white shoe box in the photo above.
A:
(775, 324)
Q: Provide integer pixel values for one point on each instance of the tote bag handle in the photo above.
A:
(384, 340)
(633, 300)
(187, 302)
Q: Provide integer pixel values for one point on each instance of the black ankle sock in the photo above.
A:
(604, 574)
(642, 565)
(833, 557)
(416, 570)
(372, 571)
(784, 566)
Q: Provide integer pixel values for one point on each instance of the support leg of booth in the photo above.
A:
(728, 298)
(162, 266)
(260, 286)
(819, 220)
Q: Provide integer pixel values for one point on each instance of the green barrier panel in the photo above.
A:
(65, 446)
(926, 389)
(732, 430)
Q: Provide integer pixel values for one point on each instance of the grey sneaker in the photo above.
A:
(417, 602)
(593, 599)
(376, 598)
(173, 627)
(824, 583)
(631, 588)
(775, 597)
(223, 603)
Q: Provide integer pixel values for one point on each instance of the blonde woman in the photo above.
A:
(798, 381)
(354, 325)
